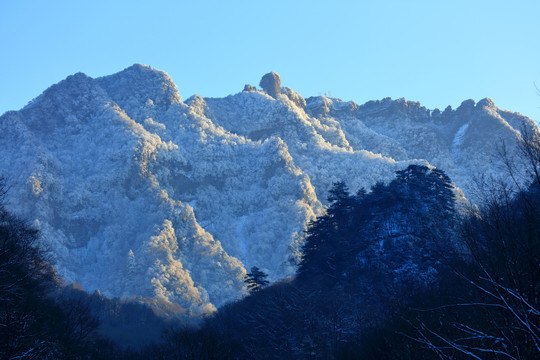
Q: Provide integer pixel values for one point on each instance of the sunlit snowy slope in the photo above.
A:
(138, 193)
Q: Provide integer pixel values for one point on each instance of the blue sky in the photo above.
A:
(436, 52)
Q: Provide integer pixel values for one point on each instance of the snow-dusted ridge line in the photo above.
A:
(139, 193)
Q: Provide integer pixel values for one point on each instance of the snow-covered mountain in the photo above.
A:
(138, 193)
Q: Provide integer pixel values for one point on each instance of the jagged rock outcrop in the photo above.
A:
(271, 84)
(249, 88)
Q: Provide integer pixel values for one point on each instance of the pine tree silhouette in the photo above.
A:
(256, 280)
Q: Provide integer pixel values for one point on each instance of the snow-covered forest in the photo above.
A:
(265, 225)
(394, 273)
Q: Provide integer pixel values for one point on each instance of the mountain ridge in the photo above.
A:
(139, 193)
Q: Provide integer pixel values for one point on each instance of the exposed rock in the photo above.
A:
(466, 106)
(271, 84)
(249, 88)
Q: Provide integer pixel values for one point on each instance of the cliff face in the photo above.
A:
(138, 193)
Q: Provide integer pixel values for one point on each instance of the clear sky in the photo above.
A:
(436, 52)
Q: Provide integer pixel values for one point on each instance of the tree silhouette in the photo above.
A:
(256, 280)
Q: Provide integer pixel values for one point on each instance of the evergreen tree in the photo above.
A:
(341, 204)
(256, 280)
(327, 236)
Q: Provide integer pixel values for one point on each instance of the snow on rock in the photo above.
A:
(138, 193)
(458, 138)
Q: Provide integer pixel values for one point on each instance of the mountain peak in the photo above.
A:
(140, 83)
(71, 82)
(486, 102)
(145, 70)
(136, 194)
(466, 106)
(78, 87)
(139, 66)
